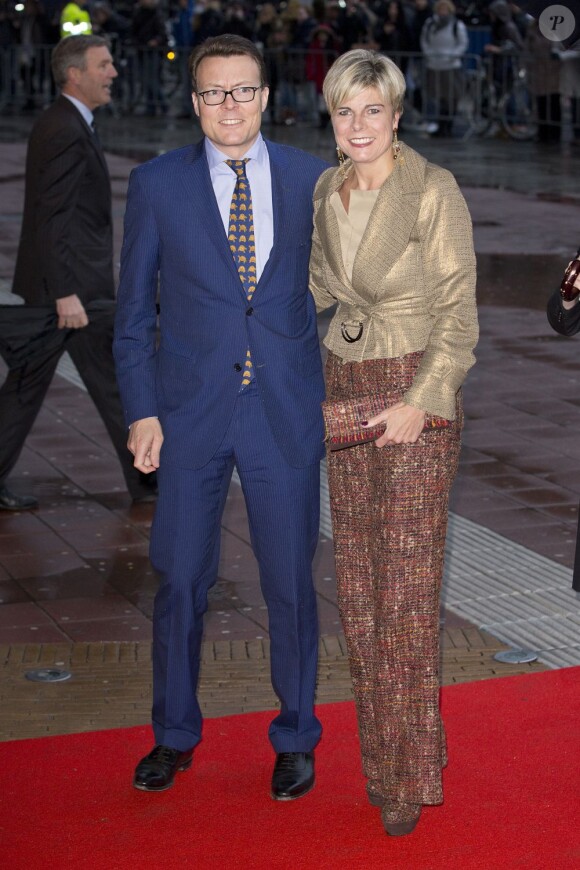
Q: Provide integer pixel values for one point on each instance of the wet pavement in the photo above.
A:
(75, 572)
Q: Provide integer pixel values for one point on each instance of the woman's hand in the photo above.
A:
(404, 424)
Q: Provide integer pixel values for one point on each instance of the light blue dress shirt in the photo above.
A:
(223, 179)
(84, 110)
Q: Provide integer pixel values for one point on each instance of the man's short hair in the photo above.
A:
(227, 45)
(72, 51)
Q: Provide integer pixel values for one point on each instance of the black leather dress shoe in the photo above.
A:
(11, 502)
(148, 498)
(157, 770)
(293, 775)
(146, 489)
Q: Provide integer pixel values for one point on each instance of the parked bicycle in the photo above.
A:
(512, 111)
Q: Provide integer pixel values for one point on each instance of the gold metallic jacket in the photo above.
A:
(413, 279)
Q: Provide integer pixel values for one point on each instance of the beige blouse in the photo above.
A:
(352, 224)
(411, 281)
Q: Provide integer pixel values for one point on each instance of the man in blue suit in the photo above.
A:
(236, 379)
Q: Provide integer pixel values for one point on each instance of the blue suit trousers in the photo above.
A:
(283, 512)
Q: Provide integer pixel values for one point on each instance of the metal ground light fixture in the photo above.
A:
(516, 656)
(48, 675)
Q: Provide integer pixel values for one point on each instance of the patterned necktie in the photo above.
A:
(242, 241)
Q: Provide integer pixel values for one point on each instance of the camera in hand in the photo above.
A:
(567, 289)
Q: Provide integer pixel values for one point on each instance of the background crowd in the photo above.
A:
(433, 41)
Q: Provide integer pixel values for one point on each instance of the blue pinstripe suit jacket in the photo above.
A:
(175, 246)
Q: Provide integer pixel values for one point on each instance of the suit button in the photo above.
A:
(237, 367)
(249, 312)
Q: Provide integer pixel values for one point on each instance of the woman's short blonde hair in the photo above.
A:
(359, 69)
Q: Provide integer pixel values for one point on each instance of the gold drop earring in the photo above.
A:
(396, 145)
(341, 161)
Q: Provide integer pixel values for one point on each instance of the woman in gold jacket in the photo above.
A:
(393, 247)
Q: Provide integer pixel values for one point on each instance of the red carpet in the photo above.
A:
(511, 795)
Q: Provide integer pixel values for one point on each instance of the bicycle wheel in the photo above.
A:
(476, 103)
(517, 112)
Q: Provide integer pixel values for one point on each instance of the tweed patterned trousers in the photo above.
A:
(389, 513)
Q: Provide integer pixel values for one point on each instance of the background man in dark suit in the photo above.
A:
(564, 317)
(211, 407)
(65, 258)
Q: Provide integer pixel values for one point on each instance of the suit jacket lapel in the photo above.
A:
(283, 194)
(327, 225)
(281, 208)
(98, 149)
(199, 192)
(396, 208)
(75, 116)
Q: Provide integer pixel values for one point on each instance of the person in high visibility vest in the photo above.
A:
(75, 20)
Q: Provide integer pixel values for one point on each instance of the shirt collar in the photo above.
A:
(258, 153)
(83, 109)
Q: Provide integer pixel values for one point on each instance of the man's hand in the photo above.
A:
(71, 313)
(145, 440)
(404, 424)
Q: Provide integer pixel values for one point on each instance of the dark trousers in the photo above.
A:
(443, 90)
(575, 110)
(283, 513)
(24, 390)
(549, 118)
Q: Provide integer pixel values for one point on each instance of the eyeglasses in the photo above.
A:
(215, 97)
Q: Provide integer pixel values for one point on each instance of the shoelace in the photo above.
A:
(164, 754)
(287, 760)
